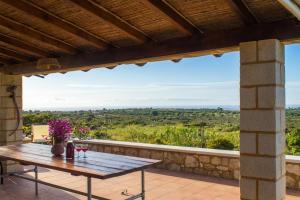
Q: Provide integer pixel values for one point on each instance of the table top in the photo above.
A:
(96, 165)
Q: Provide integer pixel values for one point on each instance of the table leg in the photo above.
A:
(1, 171)
(36, 178)
(143, 184)
(89, 188)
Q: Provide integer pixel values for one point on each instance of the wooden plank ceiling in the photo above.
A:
(105, 33)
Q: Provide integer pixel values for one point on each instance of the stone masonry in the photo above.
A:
(8, 117)
(262, 125)
(211, 162)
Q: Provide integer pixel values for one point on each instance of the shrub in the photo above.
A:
(99, 134)
(220, 143)
(293, 142)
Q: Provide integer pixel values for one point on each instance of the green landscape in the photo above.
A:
(206, 128)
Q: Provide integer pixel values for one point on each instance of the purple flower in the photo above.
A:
(60, 129)
(84, 130)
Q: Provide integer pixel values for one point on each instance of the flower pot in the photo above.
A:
(58, 149)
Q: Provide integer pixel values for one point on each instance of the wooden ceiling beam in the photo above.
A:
(293, 6)
(7, 61)
(177, 19)
(243, 11)
(31, 9)
(112, 19)
(35, 34)
(14, 55)
(216, 42)
(22, 45)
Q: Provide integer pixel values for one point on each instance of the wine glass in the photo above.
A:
(84, 148)
(78, 148)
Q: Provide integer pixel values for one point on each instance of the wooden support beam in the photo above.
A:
(14, 55)
(112, 19)
(217, 42)
(35, 34)
(3, 62)
(173, 16)
(243, 11)
(7, 61)
(30, 9)
(293, 6)
(23, 45)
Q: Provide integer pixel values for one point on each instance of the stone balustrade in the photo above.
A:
(211, 162)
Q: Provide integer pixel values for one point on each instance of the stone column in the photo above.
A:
(8, 115)
(262, 126)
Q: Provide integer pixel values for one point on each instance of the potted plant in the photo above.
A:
(60, 131)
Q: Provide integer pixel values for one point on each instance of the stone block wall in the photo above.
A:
(211, 162)
(262, 120)
(8, 116)
(214, 165)
(293, 172)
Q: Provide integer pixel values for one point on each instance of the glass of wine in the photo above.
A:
(84, 148)
(78, 148)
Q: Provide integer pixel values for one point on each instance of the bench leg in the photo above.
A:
(143, 184)
(1, 172)
(89, 188)
(36, 178)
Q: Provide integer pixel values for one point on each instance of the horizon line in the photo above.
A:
(224, 107)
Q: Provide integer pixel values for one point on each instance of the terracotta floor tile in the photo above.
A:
(160, 185)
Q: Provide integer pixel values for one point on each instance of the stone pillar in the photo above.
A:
(8, 115)
(262, 126)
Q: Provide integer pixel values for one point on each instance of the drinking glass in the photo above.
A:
(84, 148)
(78, 148)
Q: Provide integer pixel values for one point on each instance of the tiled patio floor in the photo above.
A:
(160, 184)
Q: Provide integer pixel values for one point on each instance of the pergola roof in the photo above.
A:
(104, 33)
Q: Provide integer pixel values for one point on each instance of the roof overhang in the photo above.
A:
(293, 6)
(81, 35)
(218, 42)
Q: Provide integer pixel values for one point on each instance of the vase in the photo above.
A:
(58, 148)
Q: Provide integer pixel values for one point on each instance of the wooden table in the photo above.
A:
(96, 165)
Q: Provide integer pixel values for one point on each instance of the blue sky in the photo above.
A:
(194, 82)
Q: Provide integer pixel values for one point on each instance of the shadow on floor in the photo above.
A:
(40, 169)
(18, 189)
